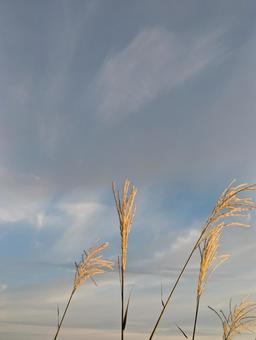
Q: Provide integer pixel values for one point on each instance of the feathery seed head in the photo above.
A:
(231, 204)
(242, 318)
(91, 265)
(125, 209)
(209, 259)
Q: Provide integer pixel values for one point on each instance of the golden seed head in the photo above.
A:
(242, 318)
(231, 204)
(125, 209)
(91, 265)
(210, 261)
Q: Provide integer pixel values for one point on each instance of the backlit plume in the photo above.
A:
(91, 265)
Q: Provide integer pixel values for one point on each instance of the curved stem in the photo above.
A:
(64, 314)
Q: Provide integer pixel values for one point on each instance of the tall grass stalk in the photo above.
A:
(208, 264)
(125, 208)
(229, 205)
(64, 314)
(90, 265)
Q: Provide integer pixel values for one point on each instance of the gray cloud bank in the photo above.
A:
(174, 101)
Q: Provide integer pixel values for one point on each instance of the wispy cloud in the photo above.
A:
(3, 287)
(22, 197)
(154, 62)
(84, 222)
(185, 240)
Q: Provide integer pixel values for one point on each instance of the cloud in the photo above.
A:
(81, 211)
(22, 197)
(3, 287)
(154, 62)
(84, 221)
(185, 240)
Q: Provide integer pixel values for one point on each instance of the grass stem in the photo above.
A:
(196, 316)
(122, 303)
(174, 287)
(64, 314)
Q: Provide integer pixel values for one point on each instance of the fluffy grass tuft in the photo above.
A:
(210, 261)
(232, 204)
(125, 209)
(241, 318)
(91, 265)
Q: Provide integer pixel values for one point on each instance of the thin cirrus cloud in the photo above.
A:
(82, 218)
(154, 62)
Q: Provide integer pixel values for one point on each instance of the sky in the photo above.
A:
(91, 91)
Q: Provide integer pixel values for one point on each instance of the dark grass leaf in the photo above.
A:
(119, 270)
(126, 312)
(182, 332)
(218, 315)
(162, 300)
(58, 315)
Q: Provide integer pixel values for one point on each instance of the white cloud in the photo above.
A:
(185, 240)
(22, 197)
(3, 287)
(180, 242)
(40, 219)
(152, 64)
(81, 211)
(84, 222)
(19, 213)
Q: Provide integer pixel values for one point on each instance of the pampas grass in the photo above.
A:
(125, 205)
(90, 265)
(228, 206)
(232, 209)
(241, 318)
(125, 209)
(231, 204)
(210, 261)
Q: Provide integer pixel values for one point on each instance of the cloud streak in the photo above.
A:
(153, 63)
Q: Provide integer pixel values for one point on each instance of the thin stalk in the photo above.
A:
(64, 314)
(173, 289)
(216, 215)
(196, 316)
(122, 303)
(178, 278)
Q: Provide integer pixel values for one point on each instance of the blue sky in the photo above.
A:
(161, 92)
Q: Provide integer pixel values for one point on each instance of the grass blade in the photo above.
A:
(126, 312)
(183, 333)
